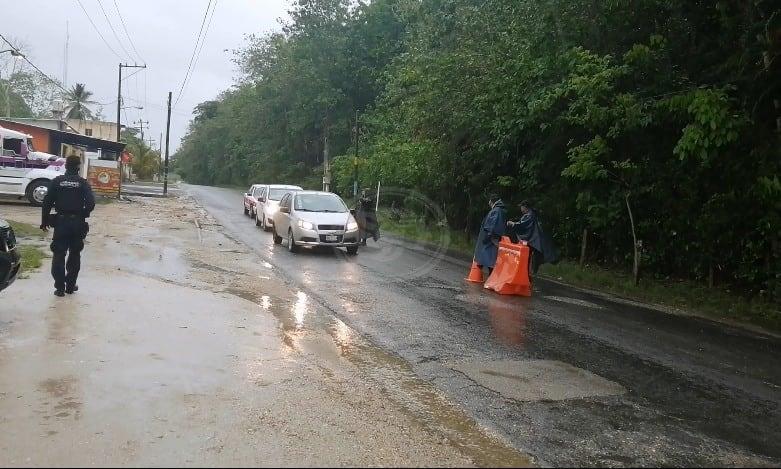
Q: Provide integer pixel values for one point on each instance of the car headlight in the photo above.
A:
(305, 225)
(352, 226)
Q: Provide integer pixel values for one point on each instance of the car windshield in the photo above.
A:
(277, 194)
(320, 203)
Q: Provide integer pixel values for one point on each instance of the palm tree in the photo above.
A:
(146, 162)
(77, 99)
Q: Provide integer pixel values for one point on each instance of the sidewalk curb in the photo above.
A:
(460, 259)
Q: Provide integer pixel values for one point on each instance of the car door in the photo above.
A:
(247, 196)
(260, 196)
(283, 215)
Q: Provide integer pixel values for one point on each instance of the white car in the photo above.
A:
(20, 179)
(25, 173)
(315, 218)
(268, 204)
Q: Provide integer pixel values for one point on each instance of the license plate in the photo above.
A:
(331, 237)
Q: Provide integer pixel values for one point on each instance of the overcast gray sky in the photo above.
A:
(164, 33)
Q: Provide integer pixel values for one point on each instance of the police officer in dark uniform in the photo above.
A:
(71, 196)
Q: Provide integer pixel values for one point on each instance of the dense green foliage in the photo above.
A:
(595, 110)
(16, 105)
(146, 160)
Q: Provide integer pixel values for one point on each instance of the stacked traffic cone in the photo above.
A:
(475, 273)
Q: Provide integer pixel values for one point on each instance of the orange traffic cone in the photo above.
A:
(475, 273)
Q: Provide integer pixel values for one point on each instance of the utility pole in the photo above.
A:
(161, 144)
(167, 136)
(119, 96)
(14, 53)
(141, 124)
(326, 163)
(355, 159)
(8, 88)
(65, 65)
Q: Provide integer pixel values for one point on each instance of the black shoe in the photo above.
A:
(59, 293)
(72, 290)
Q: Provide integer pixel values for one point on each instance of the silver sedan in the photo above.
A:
(314, 218)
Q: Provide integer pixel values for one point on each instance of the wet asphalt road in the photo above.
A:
(697, 393)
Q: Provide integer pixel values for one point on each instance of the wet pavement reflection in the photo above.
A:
(508, 323)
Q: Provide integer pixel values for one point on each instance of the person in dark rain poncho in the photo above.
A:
(529, 229)
(491, 231)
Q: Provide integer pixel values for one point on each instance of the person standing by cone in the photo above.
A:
(71, 196)
(528, 228)
(491, 231)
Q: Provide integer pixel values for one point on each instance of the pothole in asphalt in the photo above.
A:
(574, 301)
(538, 380)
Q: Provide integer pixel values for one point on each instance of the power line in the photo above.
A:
(124, 26)
(137, 71)
(98, 31)
(195, 51)
(206, 32)
(55, 82)
(114, 31)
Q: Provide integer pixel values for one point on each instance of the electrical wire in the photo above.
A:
(198, 55)
(124, 26)
(130, 75)
(98, 31)
(114, 31)
(195, 51)
(16, 49)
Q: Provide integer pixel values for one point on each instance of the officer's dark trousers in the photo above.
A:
(68, 240)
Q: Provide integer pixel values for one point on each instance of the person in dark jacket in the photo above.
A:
(491, 231)
(71, 196)
(366, 217)
(529, 229)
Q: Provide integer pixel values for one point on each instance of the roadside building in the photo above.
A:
(101, 158)
(58, 137)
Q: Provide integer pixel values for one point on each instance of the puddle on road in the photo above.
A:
(303, 329)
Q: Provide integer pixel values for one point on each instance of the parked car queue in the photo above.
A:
(302, 218)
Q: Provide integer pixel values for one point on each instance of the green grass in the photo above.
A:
(32, 257)
(26, 230)
(412, 228)
(716, 303)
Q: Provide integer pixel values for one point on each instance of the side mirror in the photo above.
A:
(284, 209)
(246, 194)
(352, 211)
(262, 199)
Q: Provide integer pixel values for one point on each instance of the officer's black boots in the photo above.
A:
(59, 293)
(72, 290)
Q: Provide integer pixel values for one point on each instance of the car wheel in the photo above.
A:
(277, 238)
(291, 243)
(36, 192)
(246, 210)
(257, 221)
(352, 250)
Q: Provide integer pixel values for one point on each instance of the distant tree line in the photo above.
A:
(648, 129)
